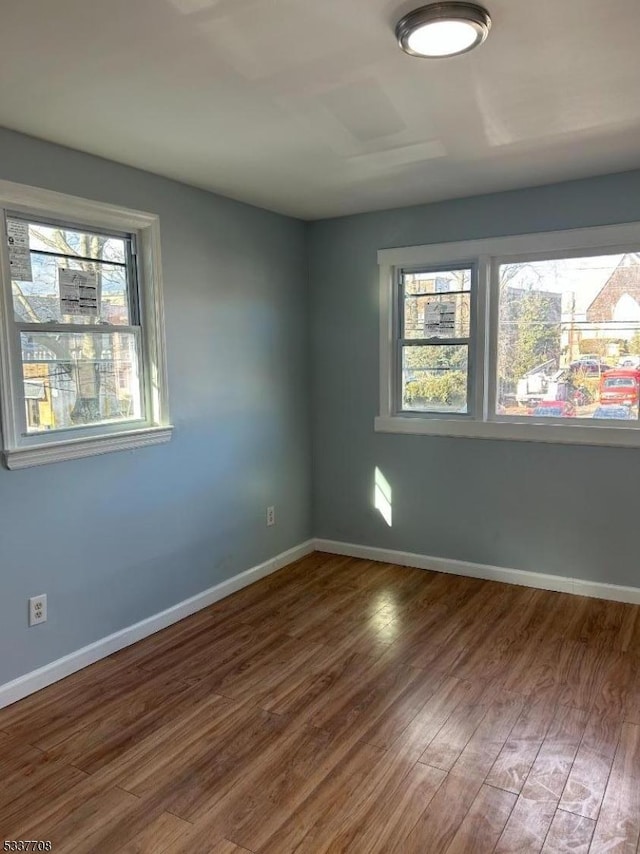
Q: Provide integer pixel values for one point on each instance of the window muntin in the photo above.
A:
(566, 325)
(77, 320)
(434, 340)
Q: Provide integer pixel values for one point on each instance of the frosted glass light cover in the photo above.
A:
(443, 38)
(443, 29)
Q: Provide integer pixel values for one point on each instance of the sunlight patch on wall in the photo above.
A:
(382, 497)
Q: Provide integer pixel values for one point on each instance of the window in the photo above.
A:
(82, 335)
(533, 337)
(434, 340)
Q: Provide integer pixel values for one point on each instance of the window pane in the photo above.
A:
(437, 304)
(74, 379)
(437, 316)
(49, 297)
(569, 338)
(437, 282)
(434, 378)
(70, 241)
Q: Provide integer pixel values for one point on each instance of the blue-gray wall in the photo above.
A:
(117, 538)
(560, 509)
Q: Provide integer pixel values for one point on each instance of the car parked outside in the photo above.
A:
(620, 386)
(554, 409)
(629, 362)
(618, 411)
(589, 367)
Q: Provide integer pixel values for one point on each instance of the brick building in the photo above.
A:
(619, 298)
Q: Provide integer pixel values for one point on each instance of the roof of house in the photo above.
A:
(625, 279)
(36, 308)
(34, 389)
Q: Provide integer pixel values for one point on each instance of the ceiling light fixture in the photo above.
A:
(443, 29)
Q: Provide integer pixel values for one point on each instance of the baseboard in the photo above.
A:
(21, 687)
(558, 583)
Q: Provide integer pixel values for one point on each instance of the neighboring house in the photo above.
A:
(59, 388)
(619, 299)
(610, 320)
(31, 308)
(37, 398)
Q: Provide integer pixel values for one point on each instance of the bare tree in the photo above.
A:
(80, 369)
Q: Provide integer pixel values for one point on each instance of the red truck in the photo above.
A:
(620, 385)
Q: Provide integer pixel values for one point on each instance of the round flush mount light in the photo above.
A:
(443, 29)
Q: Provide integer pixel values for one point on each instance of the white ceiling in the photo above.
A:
(308, 107)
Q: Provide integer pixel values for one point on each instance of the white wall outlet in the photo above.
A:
(38, 609)
(271, 516)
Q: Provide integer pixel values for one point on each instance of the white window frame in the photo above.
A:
(22, 451)
(487, 255)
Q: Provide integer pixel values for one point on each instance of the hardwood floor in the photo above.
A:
(343, 705)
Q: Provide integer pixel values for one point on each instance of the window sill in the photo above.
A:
(519, 431)
(73, 449)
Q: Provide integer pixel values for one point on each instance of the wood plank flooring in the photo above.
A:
(343, 705)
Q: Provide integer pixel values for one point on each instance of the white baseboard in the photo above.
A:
(558, 583)
(21, 687)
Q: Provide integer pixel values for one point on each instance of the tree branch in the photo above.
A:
(58, 242)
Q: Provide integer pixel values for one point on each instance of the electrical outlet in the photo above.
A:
(38, 609)
(271, 516)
